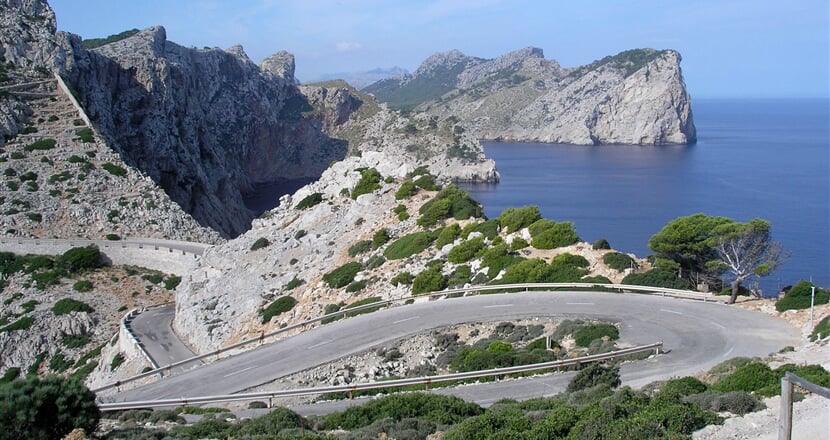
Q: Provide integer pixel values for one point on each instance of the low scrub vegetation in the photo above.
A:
(278, 307)
(342, 276)
(799, 297)
(310, 201)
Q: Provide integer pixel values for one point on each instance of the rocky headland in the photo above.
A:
(634, 97)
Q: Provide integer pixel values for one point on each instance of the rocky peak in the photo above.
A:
(503, 65)
(148, 42)
(27, 33)
(444, 61)
(280, 64)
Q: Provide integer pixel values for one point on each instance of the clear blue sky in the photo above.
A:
(730, 48)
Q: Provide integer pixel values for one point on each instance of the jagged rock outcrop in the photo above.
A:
(635, 97)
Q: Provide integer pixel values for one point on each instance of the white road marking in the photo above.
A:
(580, 304)
(237, 372)
(321, 343)
(723, 327)
(498, 305)
(405, 319)
(671, 311)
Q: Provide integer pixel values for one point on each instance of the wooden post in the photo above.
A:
(785, 414)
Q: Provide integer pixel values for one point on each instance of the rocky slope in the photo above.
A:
(290, 249)
(634, 97)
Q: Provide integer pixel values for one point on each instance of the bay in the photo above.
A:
(767, 158)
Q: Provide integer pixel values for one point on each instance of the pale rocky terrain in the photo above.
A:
(635, 97)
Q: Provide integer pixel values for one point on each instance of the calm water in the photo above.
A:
(754, 158)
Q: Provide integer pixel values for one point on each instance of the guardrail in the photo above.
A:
(195, 249)
(785, 415)
(430, 296)
(424, 380)
(125, 328)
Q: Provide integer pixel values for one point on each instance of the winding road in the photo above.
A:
(696, 336)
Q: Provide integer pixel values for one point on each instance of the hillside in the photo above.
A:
(634, 97)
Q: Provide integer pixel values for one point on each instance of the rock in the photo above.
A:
(635, 97)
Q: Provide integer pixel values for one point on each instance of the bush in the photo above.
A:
(618, 261)
(401, 211)
(117, 360)
(683, 386)
(43, 144)
(281, 305)
(449, 202)
(444, 410)
(34, 216)
(23, 323)
(465, 251)
(409, 245)
(401, 278)
(594, 375)
(171, 282)
(514, 219)
(85, 135)
(601, 244)
(82, 286)
(360, 247)
(507, 424)
(799, 296)
(78, 259)
(309, 201)
(657, 278)
(272, 423)
(426, 182)
(114, 169)
(489, 228)
(374, 262)
(736, 402)
(752, 377)
(47, 408)
(587, 334)
(369, 182)
(342, 276)
(822, 329)
(260, 243)
(407, 189)
(380, 238)
(430, 280)
(113, 237)
(65, 306)
(518, 243)
(546, 234)
(356, 286)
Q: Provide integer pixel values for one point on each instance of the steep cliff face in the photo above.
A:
(635, 97)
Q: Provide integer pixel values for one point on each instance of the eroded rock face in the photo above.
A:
(635, 97)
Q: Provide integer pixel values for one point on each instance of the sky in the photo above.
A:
(730, 48)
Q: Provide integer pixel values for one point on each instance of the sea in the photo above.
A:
(754, 158)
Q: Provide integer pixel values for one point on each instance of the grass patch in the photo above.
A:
(281, 305)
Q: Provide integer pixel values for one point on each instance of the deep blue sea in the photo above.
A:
(754, 158)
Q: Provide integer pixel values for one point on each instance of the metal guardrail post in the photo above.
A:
(785, 416)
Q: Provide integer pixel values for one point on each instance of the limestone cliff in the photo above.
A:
(634, 97)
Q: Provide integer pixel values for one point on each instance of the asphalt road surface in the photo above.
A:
(696, 335)
(154, 329)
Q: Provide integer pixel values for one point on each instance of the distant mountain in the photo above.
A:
(635, 97)
(360, 80)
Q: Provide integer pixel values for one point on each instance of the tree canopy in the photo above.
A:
(703, 248)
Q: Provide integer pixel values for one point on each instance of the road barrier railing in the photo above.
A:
(449, 293)
(426, 381)
(195, 249)
(785, 414)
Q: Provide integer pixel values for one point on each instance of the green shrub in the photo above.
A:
(10, 375)
(29, 306)
(407, 189)
(171, 282)
(28, 176)
(657, 278)
(447, 235)
(64, 306)
(409, 245)
(507, 424)
(360, 247)
(363, 302)
(401, 278)
(466, 250)
(309, 201)
(272, 424)
(430, 280)
(752, 377)
(736, 402)
(460, 276)
(444, 410)
(45, 279)
(587, 334)
(85, 135)
(114, 169)
(75, 341)
(117, 360)
(75, 159)
(518, 243)
(369, 182)
(356, 286)
(113, 237)
(684, 386)
(374, 262)
(82, 286)
(799, 297)
(380, 238)
(294, 283)
(43, 144)
(449, 202)
(260, 243)
(527, 271)
(601, 244)
(547, 234)
(821, 330)
(153, 278)
(34, 216)
(78, 259)
(427, 182)
(342, 276)
(59, 362)
(514, 219)
(618, 261)
(594, 375)
(23, 323)
(48, 408)
(281, 305)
